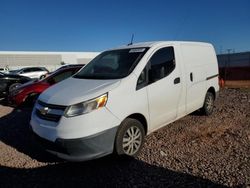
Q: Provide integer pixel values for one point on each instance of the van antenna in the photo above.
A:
(132, 40)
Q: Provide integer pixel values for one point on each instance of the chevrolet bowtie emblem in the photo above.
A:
(44, 110)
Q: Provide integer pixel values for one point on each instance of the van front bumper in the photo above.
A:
(81, 149)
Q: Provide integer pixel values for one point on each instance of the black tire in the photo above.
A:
(134, 141)
(13, 86)
(208, 105)
(43, 76)
(31, 99)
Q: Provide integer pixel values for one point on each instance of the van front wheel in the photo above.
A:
(208, 106)
(129, 138)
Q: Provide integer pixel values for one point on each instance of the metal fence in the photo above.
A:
(234, 66)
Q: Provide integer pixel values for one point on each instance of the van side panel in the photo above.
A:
(196, 59)
(212, 71)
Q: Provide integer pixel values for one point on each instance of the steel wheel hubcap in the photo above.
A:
(132, 140)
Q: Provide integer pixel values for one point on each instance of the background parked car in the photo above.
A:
(69, 65)
(29, 92)
(32, 72)
(4, 70)
(9, 82)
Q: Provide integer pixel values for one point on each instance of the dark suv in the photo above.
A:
(9, 82)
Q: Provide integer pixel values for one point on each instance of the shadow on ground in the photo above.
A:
(106, 172)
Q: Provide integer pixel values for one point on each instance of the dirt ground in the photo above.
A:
(237, 84)
(195, 151)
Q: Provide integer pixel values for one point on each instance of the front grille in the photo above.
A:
(49, 112)
(49, 117)
(53, 106)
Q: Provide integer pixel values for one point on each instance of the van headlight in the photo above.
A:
(86, 107)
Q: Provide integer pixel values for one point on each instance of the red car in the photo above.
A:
(28, 92)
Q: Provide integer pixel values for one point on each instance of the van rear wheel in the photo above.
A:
(129, 138)
(208, 106)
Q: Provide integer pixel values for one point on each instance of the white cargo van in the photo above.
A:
(124, 94)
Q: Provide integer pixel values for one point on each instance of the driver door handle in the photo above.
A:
(177, 80)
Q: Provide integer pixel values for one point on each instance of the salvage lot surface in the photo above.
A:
(195, 151)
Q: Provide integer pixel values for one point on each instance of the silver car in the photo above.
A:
(32, 72)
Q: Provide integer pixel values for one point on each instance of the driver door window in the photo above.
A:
(161, 64)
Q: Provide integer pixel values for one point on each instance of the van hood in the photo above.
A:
(74, 90)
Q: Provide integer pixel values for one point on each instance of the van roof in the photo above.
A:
(156, 43)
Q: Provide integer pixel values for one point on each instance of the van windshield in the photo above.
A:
(112, 64)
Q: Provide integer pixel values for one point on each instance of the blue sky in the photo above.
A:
(91, 25)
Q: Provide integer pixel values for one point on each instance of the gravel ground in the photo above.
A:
(195, 151)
